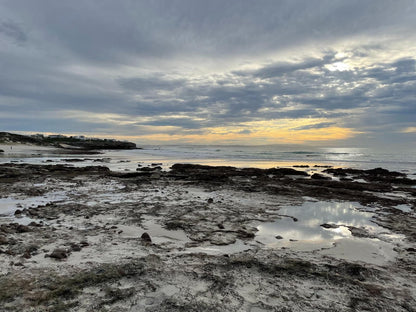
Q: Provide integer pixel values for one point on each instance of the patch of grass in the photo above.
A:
(11, 286)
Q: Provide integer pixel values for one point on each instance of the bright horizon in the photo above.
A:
(336, 73)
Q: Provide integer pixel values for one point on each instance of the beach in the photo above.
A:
(90, 233)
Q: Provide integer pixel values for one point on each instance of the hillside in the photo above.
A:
(62, 141)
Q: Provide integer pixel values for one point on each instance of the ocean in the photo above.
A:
(275, 155)
(266, 156)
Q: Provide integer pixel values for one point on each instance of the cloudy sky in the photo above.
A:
(321, 72)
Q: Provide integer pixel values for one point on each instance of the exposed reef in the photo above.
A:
(90, 239)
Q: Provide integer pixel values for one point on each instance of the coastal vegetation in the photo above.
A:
(62, 141)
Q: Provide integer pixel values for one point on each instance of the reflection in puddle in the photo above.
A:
(307, 230)
(307, 234)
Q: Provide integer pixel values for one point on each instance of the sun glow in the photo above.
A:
(258, 132)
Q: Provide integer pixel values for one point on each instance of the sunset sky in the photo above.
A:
(211, 72)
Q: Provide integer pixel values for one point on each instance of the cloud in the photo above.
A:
(409, 130)
(315, 126)
(13, 31)
(187, 67)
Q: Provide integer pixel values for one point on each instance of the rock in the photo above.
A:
(18, 212)
(3, 240)
(75, 247)
(222, 239)
(360, 232)
(146, 169)
(330, 226)
(22, 228)
(1, 151)
(300, 166)
(146, 238)
(279, 237)
(84, 243)
(58, 254)
(210, 200)
(33, 223)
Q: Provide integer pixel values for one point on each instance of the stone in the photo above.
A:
(146, 238)
(330, 226)
(279, 237)
(58, 254)
(22, 228)
(3, 240)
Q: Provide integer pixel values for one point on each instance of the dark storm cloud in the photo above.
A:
(126, 57)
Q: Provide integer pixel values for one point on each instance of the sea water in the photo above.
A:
(274, 155)
(266, 156)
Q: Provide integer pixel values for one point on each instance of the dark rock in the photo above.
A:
(279, 237)
(58, 254)
(75, 247)
(285, 171)
(22, 228)
(148, 168)
(33, 223)
(330, 226)
(18, 212)
(84, 243)
(300, 166)
(1, 151)
(146, 238)
(411, 249)
(210, 200)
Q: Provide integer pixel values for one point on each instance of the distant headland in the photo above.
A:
(67, 142)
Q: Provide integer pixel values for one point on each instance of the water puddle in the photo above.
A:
(404, 208)
(9, 205)
(301, 229)
(236, 247)
(162, 236)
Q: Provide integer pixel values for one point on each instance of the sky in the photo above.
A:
(321, 72)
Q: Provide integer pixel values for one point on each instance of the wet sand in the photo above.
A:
(217, 239)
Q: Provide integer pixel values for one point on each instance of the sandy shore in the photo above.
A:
(200, 238)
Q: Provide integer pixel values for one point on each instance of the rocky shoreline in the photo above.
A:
(187, 239)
